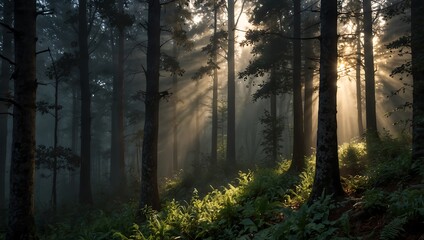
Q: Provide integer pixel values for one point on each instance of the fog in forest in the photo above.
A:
(186, 86)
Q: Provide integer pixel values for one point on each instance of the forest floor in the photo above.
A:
(384, 200)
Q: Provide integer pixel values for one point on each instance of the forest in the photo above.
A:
(211, 119)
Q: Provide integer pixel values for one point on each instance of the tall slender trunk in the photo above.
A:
(327, 174)
(309, 92)
(175, 115)
(298, 162)
(117, 166)
(149, 185)
(214, 147)
(371, 118)
(417, 18)
(85, 170)
(55, 140)
(231, 121)
(4, 90)
(358, 76)
(21, 223)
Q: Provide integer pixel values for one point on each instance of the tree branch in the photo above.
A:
(7, 27)
(8, 60)
(10, 101)
(6, 113)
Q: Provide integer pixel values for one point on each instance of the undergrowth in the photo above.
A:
(385, 201)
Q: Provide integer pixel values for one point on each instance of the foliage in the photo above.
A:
(65, 158)
(272, 134)
(352, 158)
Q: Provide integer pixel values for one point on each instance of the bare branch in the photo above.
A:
(7, 27)
(10, 101)
(8, 60)
(42, 51)
(6, 113)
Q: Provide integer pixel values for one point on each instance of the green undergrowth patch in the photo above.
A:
(385, 200)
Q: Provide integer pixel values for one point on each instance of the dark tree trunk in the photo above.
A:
(175, 120)
(298, 162)
(371, 118)
(358, 76)
(214, 147)
(327, 175)
(117, 166)
(85, 196)
(4, 90)
(231, 121)
(149, 186)
(21, 203)
(309, 91)
(55, 141)
(417, 19)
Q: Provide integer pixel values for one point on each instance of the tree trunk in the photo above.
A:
(21, 223)
(85, 170)
(149, 186)
(358, 76)
(175, 166)
(214, 147)
(298, 162)
(55, 141)
(4, 91)
(417, 18)
(231, 121)
(371, 118)
(327, 175)
(309, 92)
(117, 166)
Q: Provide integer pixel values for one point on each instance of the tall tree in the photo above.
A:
(85, 196)
(417, 46)
(231, 95)
(149, 195)
(21, 223)
(4, 92)
(298, 163)
(371, 118)
(117, 165)
(358, 74)
(327, 174)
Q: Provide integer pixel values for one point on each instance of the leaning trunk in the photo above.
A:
(21, 223)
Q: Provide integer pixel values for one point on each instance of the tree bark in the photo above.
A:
(371, 118)
(214, 147)
(4, 91)
(175, 120)
(231, 121)
(149, 186)
(117, 166)
(298, 162)
(85, 196)
(21, 223)
(327, 175)
(358, 76)
(417, 18)
(309, 92)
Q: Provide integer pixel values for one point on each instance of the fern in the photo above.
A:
(393, 229)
